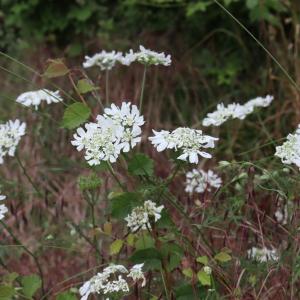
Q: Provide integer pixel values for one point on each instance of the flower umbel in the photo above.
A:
(200, 181)
(140, 216)
(189, 141)
(118, 129)
(149, 57)
(111, 281)
(289, 151)
(10, 136)
(104, 60)
(34, 98)
(235, 111)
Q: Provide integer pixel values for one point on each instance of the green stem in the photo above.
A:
(143, 88)
(17, 241)
(112, 172)
(27, 176)
(107, 87)
(92, 206)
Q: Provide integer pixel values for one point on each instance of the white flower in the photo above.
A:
(260, 101)
(200, 181)
(149, 57)
(118, 129)
(104, 60)
(235, 111)
(207, 270)
(217, 117)
(136, 274)
(128, 58)
(289, 151)
(35, 98)
(262, 254)
(111, 281)
(189, 141)
(140, 216)
(3, 208)
(10, 136)
(127, 118)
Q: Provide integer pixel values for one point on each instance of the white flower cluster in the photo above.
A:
(262, 254)
(107, 60)
(3, 208)
(140, 216)
(235, 111)
(111, 280)
(10, 136)
(289, 151)
(200, 181)
(118, 129)
(34, 98)
(149, 57)
(104, 60)
(188, 141)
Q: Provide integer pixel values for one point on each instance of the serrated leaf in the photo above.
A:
(75, 114)
(202, 259)
(144, 241)
(188, 272)
(130, 239)
(116, 247)
(6, 292)
(150, 256)
(85, 86)
(204, 278)
(223, 257)
(56, 68)
(30, 285)
(123, 203)
(141, 164)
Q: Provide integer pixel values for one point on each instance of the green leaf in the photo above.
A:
(141, 164)
(56, 68)
(204, 278)
(123, 203)
(30, 284)
(10, 278)
(150, 256)
(188, 272)
(223, 257)
(144, 241)
(116, 247)
(202, 259)
(75, 114)
(66, 296)
(84, 86)
(6, 292)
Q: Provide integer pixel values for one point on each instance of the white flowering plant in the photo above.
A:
(158, 214)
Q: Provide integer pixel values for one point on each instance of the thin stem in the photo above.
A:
(27, 176)
(260, 44)
(112, 172)
(107, 87)
(143, 88)
(92, 206)
(164, 283)
(17, 241)
(76, 89)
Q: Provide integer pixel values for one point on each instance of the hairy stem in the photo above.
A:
(143, 88)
